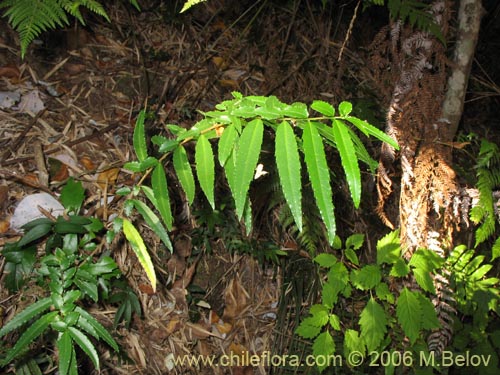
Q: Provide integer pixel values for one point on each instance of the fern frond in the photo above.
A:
(32, 17)
(73, 8)
(488, 177)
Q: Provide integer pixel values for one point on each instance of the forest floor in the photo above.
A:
(81, 89)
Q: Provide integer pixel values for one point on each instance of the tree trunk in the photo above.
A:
(423, 117)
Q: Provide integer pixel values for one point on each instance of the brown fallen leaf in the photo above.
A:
(107, 178)
(236, 300)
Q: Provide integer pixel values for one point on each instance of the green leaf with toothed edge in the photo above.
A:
(184, 172)
(246, 158)
(29, 336)
(27, 314)
(227, 142)
(319, 175)
(160, 189)
(288, 162)
(350, 164)
(66, 353)
(85, 344)
(205, 168)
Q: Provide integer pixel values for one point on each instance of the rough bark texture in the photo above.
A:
(417, 187)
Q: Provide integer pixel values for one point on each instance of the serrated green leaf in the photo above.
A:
(28, 336)
(351, 256)
(424, 280)
(353, 343)
(308, 330)
(139, 139)
(334, 321)
(350, 164)
(338, 277)
(323, 347)
(85, 344)
(296, 111)
(65, 349)
(389, 248)
(137, 243)
(101, 331)
(367, 277)
(323, 107)
(288, 162)
(400, 268)
(319, 175)
(325, 260)
(184, 172)
(329, 295)
(345, 108)
(169, 145)
(429, 315)
(154, 222)
(246, 158)
(426, 260)
(27, 314)
(355, 241)
(409, 313)
(369, 129)
(373, 323)
(226, 143)
(160, 190)
(383, 293)
(72, 195)
(204, 157)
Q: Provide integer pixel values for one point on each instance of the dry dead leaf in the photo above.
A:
(236, 299)
(196, 331)
(74, 69)
(173, 325)
(4, 196)
(4, 225)
(9, 71)
(107, 177)
(146, 289)
(87, 163)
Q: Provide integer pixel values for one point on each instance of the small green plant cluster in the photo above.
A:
(71, 274)
(237, 126)
(488, 178)
(367, 310)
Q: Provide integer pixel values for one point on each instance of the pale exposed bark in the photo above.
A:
(469, 20)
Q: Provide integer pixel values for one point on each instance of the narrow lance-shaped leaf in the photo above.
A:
(24, 316)
(99, 329)
(226, 143)
(288, 162)
(319, 175)
(65, 348)
(247, 157)
(34, 330)
(350, 164)
(139, 140)
(153, 221)
(85, 344)
(160, 189)
(184, 172)
(137, 243)
(204, 157)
